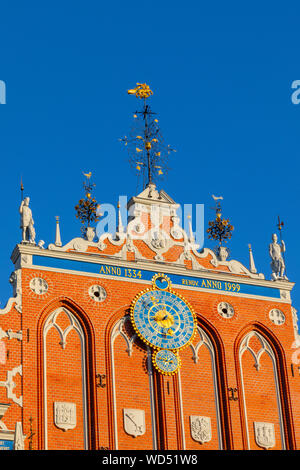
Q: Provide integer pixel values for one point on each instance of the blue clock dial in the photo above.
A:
(167, 362)
(163, 319)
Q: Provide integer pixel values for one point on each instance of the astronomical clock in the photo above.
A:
(165, 321)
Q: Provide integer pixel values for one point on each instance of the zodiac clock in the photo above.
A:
(165, 321)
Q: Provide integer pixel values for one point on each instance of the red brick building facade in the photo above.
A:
(75, 375)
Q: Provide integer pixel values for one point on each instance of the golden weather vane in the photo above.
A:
(142, 90)
(147, 150)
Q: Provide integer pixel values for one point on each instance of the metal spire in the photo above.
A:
(22, 189)
(147, 150)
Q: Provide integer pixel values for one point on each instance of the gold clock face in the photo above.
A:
(166, 362)
(163, 319)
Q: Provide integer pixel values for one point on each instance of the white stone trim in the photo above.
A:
(118, 331)
(19, 437)
(9, 384)
(152, 398)
(16, 281)
(205, 341)
(74, 324)
(181, 411)
(266, 348)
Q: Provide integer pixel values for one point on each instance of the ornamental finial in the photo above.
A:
(251, 260)
(87, 208)
(220, 229)
(148, 154)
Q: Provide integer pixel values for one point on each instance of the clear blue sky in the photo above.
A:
(221, 74)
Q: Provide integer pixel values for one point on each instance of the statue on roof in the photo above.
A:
(276, 251)
(26, 222)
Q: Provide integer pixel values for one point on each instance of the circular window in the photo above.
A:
(97, 293)
(38, 285)
(225, 310)
(277, 316)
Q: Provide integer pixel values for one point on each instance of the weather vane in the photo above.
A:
(22, 189)
(219, 229)
(148, 153)
(280, 224)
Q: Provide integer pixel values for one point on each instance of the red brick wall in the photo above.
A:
(132, 382)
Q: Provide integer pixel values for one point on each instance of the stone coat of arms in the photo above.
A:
(134, 421)
(264, 435)
(200, 428)
(65, 415)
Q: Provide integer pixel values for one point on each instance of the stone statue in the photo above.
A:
(26, 223)
(277, 264)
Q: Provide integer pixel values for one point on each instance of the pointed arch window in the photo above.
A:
(262, 355)
(68, 329)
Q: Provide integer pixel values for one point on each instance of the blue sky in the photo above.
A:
(221, 74)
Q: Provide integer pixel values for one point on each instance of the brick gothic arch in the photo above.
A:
(65, 354)
(263, 386)
(203, 364)
(132, 389)
(168, 401)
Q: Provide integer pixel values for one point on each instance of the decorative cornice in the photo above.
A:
(168, 267)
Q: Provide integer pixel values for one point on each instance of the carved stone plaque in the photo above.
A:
(65, 415)
(200, 428)
(277, 316)
(38, 285)
(97, 293)
(264, 435)
(134, 422)
(225, 310)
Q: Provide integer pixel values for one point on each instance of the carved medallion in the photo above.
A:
(97, 293)
(264, 435)
(64, 415)
(200, 428)
(158, 241)
(134, 422)
(38, 285)
(225, 310)
(277, 316)
(175, 232)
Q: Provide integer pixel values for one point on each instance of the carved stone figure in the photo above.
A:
(277, 265)
(26, 222)
(222, 253)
